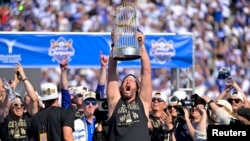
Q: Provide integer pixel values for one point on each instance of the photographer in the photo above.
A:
(200, 132)
(233, 93)
(228, 112)
(187, 120)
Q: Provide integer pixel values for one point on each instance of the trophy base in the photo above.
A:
(126, 53)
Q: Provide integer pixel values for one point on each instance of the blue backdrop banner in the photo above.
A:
(37, 50)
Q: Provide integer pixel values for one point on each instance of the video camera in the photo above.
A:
(103, 105)
(195, 100)
(184, 103)
(180, 104)
(101, 113)
(187, 102)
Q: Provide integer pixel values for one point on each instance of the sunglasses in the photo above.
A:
(87, 102)
(79, 95)
(18, 105)
(230, 100)
(157, 99)
(175, 107)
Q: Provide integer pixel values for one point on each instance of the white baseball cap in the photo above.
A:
(80, 90)
(49, 91)
(89, 95)
(158, 94)
(71, 90)
(237, 94)
(180, 94)
(174, 100)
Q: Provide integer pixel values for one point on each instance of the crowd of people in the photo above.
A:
(131, 105)
(220, 29)
(143, 100)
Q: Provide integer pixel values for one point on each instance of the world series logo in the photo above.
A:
(162, 51)
(61, 49)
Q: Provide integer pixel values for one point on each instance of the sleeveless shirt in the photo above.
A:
(128, 122)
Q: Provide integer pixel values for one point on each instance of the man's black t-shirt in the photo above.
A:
(51, 121)
(129, 122)
(14, 129)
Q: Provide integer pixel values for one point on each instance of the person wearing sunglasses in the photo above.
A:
(83, 124)
(236, 100)
(235, 96)
(89, 107)
(17, 114)
(72, 98)
(159, 119)
(15, 119)
(221, 109)
(173, 105)
(186, 118)
(78, 97)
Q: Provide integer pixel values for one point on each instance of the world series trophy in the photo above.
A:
(125, 28)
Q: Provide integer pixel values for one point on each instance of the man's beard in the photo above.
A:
(128, 97)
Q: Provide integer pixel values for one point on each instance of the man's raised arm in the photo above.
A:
(146, 80)
(113, 93)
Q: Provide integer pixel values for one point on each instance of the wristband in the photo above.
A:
(24, 79)
(112, 45)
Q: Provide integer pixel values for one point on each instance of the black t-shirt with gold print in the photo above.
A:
(14, 129)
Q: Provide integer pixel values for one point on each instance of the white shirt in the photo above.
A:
(80, 133)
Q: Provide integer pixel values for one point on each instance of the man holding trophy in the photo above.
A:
(129, 103)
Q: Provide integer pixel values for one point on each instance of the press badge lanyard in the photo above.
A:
(43, 135)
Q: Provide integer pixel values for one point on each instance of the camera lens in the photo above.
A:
(105, 105)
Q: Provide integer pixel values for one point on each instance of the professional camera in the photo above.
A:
(184, 103)
(224, 73)
(101, 113)
(180, 104)
(195, 100)
(187, 102)
(103, 104)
